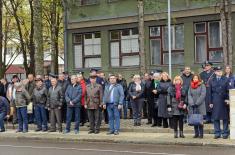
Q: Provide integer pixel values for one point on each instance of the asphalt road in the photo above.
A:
(22, 147)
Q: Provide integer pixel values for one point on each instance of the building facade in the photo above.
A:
(104, 34)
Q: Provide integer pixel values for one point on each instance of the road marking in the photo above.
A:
(93, 150)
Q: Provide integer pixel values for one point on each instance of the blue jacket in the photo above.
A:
(74, 94)
(118, 94)
(4, 105)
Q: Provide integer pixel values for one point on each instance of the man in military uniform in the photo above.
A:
(207, 75)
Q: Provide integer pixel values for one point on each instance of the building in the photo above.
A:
(104, 34)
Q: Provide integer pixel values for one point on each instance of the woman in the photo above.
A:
(196, 102)
(229, 75)
(176, 102)
(165, 83)
(136, 92)
(94, 95)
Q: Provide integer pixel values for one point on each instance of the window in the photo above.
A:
(124, 47)
(87, 50)
(88, 2)
(208, 42)
(159, 44)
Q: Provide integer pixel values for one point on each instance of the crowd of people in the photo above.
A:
(163, 101)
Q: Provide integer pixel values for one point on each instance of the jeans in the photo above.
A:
(2, 116)
(114, 117)
(69, 114)
(41, 116)
(198, 129)
(218, 131)
(22, 119)
(137, 106)
(178, 121)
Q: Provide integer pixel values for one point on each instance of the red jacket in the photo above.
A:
(83, 85)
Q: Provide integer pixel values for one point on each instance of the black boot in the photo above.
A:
(175, 134)
(182, 134)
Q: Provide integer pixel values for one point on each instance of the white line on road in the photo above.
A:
(93, 150)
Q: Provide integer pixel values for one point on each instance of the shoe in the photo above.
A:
(66, 131)
(135, 124)
(110, 133)
(201, 136)
(2, 130)
(196, 136)
(44, 130)
(139, 124)
(216, 137)
(225, 137)
(82, 124)
(149, 123)
(52, 130)
(76, 131)
(175, 134)
(25, 131)
(37, 130)
(182, 134)
(60, 131)
(116, 133)
(97, 131)
(90, 132)
(154, 125)
(17, 131)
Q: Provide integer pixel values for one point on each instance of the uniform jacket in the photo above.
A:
(94, 96)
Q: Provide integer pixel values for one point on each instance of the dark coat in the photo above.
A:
(55, 97)
(173, 103)
(74, 94)
(147, 92)
(206, 78)
(218, 93)
(163, 91)
(64, 85)
(4, 105)
(196, 99)
(40, 95)
(132, 91)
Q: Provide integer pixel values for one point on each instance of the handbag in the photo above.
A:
(195, 118)
(181, 105)
(30, 108)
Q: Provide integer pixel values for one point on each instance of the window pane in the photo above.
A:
(88, 49)
(214, 34)
(130, 60)
(165, 42)
(179, 37)
(200, 48)
(78, 56)
(115, 62)
(200, 27)
(155, 47)
(77, 39)
(176, 58)
(92, 62)
(96, 49)
(97, 35)
(88, 36)
(114, 35)
(134, 45)
(126, 32)
(126, 46)
(216, 56)
(115, 50)
(154, 31)
(135, 31)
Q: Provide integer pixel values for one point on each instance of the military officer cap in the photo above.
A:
(53, 75)
(80, 72)
(219, 68)
(93, 70)
(206, 63)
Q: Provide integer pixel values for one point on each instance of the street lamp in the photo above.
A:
(169, 36)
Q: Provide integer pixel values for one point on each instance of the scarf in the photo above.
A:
(178, 92)
(195, 85)
(156, 83)
(138, 86)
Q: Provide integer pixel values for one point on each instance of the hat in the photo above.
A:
(208, 63)
(39, 79)
(80, 72)
(53, 75)
(93, 70)
(158, 71)
(93, 76)
(219, 68)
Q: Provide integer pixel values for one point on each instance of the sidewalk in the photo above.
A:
(129, 134)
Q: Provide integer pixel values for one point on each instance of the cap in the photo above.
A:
(80, 72)
(53, 75)
(93, 70)
(39, 79)
(219, 68)
(208, 63)
(93, 76)
(158, 71)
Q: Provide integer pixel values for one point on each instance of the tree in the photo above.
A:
(38, 36)
(1, 36)
(141, 36)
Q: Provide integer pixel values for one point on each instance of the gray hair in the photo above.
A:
(18, 85)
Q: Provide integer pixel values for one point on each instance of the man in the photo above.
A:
(4, 85)
(39, 97)
(123, 83)
(73, 96)
(4, 112)
(82, 82)
(187, 77)
(206, 76)
(47, 81)
(63, 84)
(148, 97)
(94, 97)
(113, 100)
(30, 87)
(54, 103)
(218, 99)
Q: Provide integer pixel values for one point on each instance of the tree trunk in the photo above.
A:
(224, 31)
(38, 36)
(31, 40)
(1, 36)
(229, 23)
(141, 36)
(54, 52)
